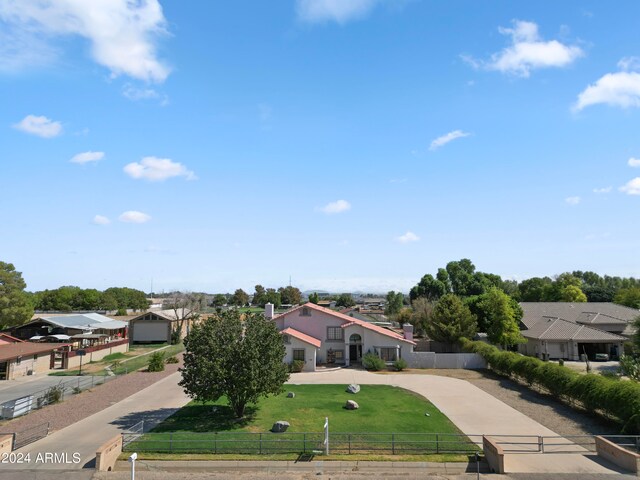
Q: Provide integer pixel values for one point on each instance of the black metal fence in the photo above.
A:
(304, 442)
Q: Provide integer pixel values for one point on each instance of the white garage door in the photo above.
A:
(150, 331)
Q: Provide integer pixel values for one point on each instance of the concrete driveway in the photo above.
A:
(476, 412)
(28, 385)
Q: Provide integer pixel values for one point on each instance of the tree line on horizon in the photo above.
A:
(457, 278)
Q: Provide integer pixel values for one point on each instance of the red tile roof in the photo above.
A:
(302, 336)
(351, 321)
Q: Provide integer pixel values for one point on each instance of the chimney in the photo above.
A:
(408, 331)
(268, 310)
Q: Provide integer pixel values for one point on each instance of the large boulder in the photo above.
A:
(351, 405)
(353, 388)
(280, 426)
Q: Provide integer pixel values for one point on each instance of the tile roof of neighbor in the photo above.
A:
(15, 350)
(351, 320)
(549, 328)
(302, 336)
(574, 311)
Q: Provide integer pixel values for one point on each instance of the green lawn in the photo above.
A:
(389, 420)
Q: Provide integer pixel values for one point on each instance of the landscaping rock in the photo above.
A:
(351, 405)
(353, 388)
(291, 395)
(280, 426)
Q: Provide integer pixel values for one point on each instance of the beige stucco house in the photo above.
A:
(318, 336)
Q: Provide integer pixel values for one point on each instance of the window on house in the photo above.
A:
(305, 312)
(335, 333)
(298, 354)
(286, 339)
(388, 354)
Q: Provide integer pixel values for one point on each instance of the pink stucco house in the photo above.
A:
(318, 335)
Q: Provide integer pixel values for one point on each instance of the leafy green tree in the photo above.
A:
(422, 310)
(15, 305)
(236, 356)
(290, 295)
(535, 289)
(259, 296)
(395, 301)
(636, 335)
(314, 297)
(502, 318)
(450, 320)
(218, 300)
(430, 288)
(571, 293)
(629, 297)
(345, 300)
(240, 298)
(272, 296)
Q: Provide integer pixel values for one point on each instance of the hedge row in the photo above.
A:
(619, 399)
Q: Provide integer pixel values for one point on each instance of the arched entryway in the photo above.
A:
(355, 348)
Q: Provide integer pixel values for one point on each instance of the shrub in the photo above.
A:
(400, 364)
(630, 367)
(373, 362)
(54, 394)
(156, 362)
(561, 362)
(172, 359)
(296, 366)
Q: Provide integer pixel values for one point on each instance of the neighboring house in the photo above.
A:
(26, 358)
(567, 330)
(72, 327)
(157, 326)
(318, 335)
(327, 303)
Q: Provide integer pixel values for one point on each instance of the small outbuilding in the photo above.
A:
(157, 326)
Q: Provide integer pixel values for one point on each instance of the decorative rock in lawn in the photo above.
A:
(351, 405)
(291, 395)
(353, 388)
(280, 426)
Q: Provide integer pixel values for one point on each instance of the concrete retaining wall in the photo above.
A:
(6, 444)
(108, 453)
(444, 360)
(618, 455)
(494, 454)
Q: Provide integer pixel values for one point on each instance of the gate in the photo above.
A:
(132, 433)
(28, 435)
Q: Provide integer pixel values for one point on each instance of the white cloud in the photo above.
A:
(632, 187)
(145, 93)
(449, 137)
(101, 220)
(634, 162)
(338, 206)
(133, 216)
(40, 126)
(408, 238)
(87, 157)
(620, 89)
(572, 200)
(602, 190)
(528, 52)
(339, 11)
(122, 33)
(629, 64)
(158, 169)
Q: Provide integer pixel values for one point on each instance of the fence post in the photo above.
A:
(393, 444)
(437, 443)
(304, 443)
(541, 444)
(349, 435)
(260, 444)
(171, 442)
(215, 442)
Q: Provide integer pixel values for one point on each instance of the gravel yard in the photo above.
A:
(542, 408)
(88, 402)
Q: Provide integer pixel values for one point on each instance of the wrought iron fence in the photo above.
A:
(28, 435)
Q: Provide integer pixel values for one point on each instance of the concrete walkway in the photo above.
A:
(475, 412)
(153, 404)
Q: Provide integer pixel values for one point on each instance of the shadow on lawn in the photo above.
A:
(191, 418)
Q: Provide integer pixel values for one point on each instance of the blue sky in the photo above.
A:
(351, 145)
